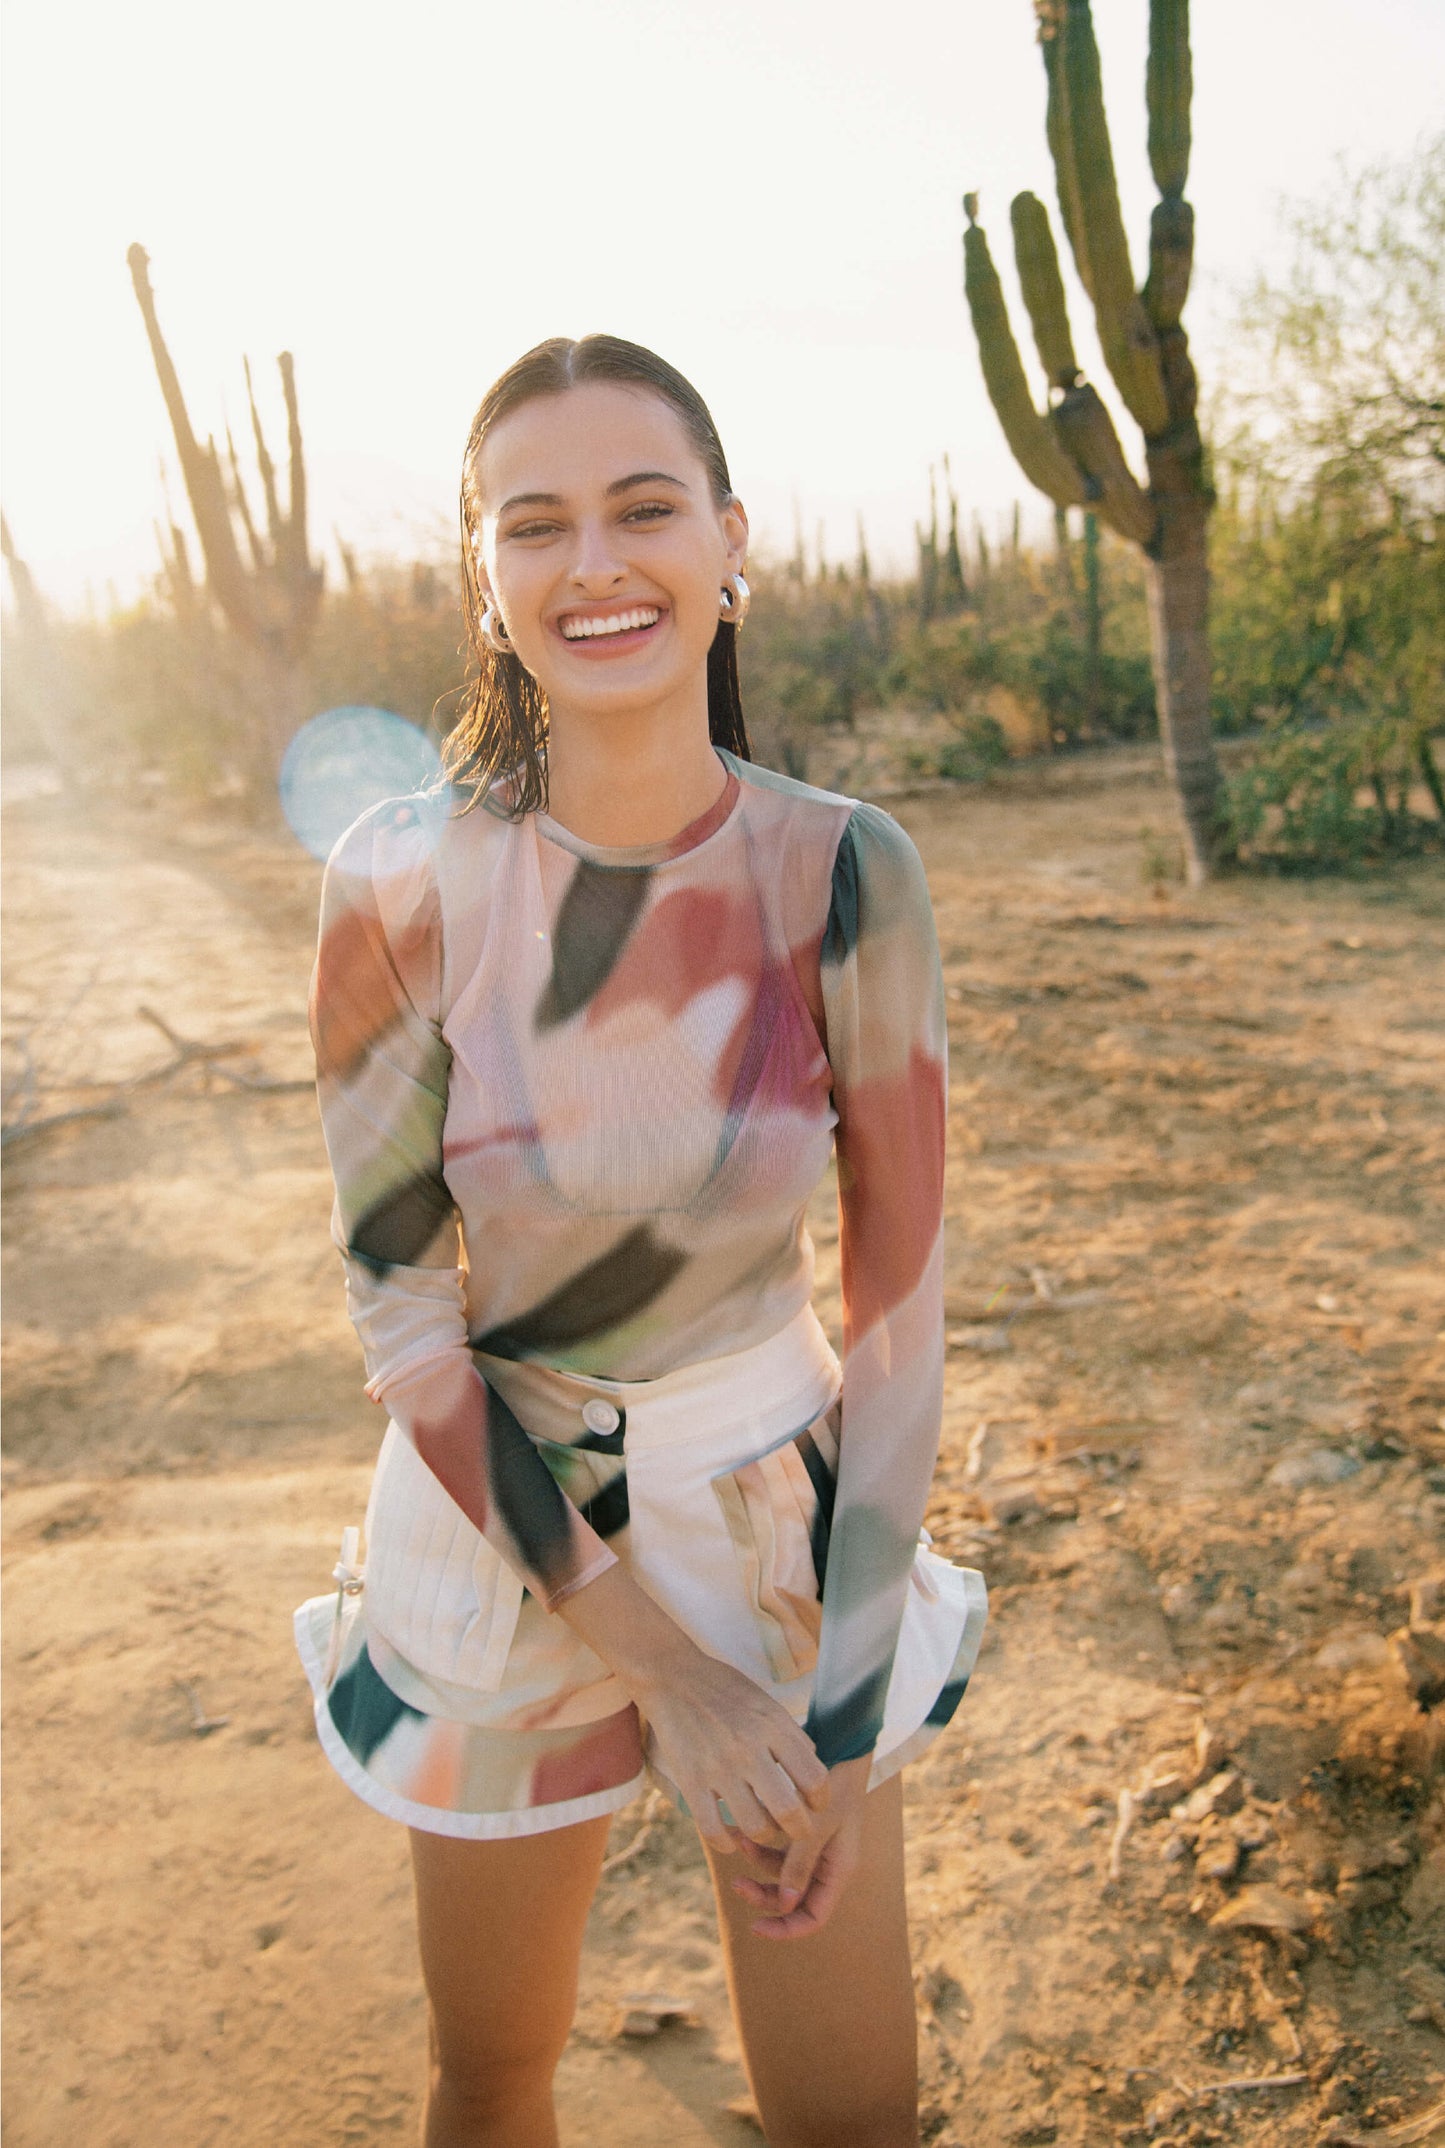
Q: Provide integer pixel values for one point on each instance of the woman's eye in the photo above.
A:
(649, 511)
(531, 529)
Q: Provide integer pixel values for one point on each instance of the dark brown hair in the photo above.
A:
(502, 730)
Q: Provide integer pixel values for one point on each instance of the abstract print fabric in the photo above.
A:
(576, 1099)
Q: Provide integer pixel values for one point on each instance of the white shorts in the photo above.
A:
(448, 1698)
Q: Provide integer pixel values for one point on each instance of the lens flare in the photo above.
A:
(344, 761)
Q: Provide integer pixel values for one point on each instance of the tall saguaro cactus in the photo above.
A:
(271, 597)
(1071, 450)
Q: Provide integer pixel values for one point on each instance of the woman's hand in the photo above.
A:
(723, 1740)
(718, 1736)
(805, 1876)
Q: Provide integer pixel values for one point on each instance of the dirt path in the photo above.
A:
(1195, 1437)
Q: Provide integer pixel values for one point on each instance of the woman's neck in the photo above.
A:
(630, 779)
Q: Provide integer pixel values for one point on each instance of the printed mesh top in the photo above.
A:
(619, 1074)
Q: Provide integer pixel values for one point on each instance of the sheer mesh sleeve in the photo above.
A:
(382, 1067)
(886, 1037)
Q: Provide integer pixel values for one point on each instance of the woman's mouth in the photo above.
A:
(607, 633)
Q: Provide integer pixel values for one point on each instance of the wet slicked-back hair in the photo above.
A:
(502, 730)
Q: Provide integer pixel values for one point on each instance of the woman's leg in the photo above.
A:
(500, 1927)
(828, 2025)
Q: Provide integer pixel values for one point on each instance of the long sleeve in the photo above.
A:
(887, 1041)
(383, 1067)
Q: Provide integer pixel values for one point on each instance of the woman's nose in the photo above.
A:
(595, 563)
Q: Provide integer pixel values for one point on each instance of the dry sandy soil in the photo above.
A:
(1195, 1438)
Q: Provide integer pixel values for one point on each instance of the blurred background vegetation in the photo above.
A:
(1327, 566)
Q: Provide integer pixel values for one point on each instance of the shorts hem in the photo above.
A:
(436, 1819)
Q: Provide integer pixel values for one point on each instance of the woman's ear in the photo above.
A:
(735, 534)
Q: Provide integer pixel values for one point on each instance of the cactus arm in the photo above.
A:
(303, 581)
(1125, 331)
(29, 603)
(1169, 89)
(1086, 432)
(243, 506)
(1050, 15)
(265, 465)
(1043, 289)
(296, 518)
(1038, 454)
(224, 570)
(1171, 262)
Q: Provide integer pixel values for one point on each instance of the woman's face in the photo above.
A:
(602, 546)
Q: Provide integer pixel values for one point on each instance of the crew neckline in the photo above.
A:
(688, 839)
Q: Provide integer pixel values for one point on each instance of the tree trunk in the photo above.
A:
(1093, 625)
(274, 692)
(1178, 585)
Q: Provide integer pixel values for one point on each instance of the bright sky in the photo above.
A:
(766, 191)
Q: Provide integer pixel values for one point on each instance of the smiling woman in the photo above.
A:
(606, 419)
(590, 1020)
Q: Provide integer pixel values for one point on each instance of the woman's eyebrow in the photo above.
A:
(644, 477)
(619, 484)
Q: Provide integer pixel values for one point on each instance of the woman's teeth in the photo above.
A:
(586, 629)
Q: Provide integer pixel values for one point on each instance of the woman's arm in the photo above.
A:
(887, 1043)
(719, 1735)
(382, 1067)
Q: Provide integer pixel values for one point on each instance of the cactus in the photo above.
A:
(1043, 289)
(1169, 91)
(1072, 451)
(1036, 451)
(952, 585)
(271, 599)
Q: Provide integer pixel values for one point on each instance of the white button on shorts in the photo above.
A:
(600, 1416)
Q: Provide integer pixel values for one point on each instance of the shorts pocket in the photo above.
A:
(778, 1508)
(435, 1588)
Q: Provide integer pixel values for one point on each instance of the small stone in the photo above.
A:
(633, 2021)
(1251, 1828)
(1223, 1793)
(1264, 1909)
(1221, 1860)
(644, 2013)
(1174, 1848)
(1159, 1793)
(1318, 1465)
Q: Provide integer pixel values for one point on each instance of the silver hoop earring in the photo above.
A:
(494, 632)
(735, 600)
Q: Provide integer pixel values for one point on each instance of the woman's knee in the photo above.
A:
(483, 2076)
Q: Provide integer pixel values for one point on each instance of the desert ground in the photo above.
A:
(1177, 1868)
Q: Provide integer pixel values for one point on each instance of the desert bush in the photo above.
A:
(809, 658)
(1329, 561)
(154, 690)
